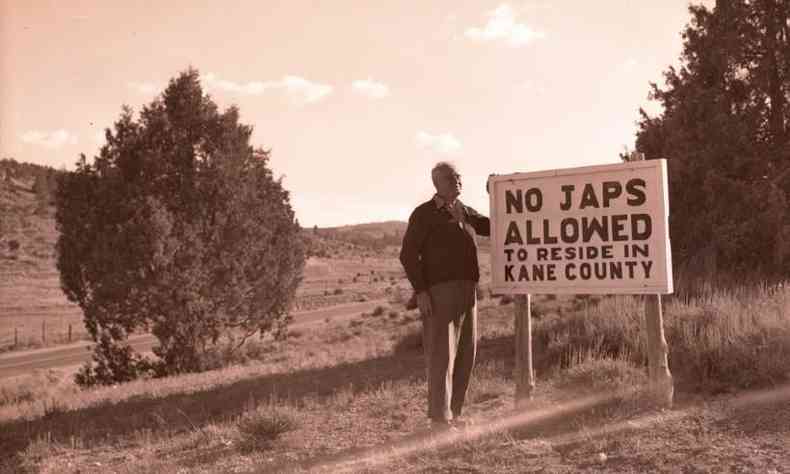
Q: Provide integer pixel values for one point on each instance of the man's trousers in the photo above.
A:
(450, 343)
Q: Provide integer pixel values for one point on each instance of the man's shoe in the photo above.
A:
(440, 426)
(462, 422)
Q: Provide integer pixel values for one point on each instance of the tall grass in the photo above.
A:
(722, 340)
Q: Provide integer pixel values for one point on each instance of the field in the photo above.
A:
(349, 397)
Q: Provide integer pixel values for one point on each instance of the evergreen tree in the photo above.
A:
(178, 226)
(724, 132)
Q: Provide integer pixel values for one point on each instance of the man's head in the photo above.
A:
(447, 180)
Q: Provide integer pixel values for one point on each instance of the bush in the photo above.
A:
(338, 291)
(505, 299)
(264, 425)
(13, 245)
(378, 310)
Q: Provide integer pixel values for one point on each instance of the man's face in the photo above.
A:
(448, 184)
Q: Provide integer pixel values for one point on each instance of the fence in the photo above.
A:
(16, 335)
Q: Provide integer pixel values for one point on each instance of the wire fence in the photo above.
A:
(39, 332)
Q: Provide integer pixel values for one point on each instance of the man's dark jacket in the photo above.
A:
(437, 249)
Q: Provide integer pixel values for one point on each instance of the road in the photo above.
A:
(20, 363)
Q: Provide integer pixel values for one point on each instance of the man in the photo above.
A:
(439, 255)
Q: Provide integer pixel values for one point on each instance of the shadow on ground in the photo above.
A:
(110, 423)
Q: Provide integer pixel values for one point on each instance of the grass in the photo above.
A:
(337, 393)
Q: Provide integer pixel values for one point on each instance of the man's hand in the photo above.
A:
(424, 303)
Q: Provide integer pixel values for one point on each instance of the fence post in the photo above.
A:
(69, 332)
(44, 331)
(16, 337)
(525, 376)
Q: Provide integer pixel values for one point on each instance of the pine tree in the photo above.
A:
(724, 132)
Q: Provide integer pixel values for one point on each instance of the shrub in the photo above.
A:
(378, 310)
(13, 245)
(261, 427)
(338, 291)
(505, 299)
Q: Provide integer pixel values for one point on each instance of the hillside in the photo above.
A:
(33, 309)
(345, 264)
(368, 237)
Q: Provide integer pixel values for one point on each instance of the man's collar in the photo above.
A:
(441, 202)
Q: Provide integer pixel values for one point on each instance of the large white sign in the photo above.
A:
(596, 229)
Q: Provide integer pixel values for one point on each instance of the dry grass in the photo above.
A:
(337, 395)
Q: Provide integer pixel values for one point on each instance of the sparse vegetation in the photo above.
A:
(264, 425)
(377, 383)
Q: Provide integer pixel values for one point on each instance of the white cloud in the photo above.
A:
(211, 81)
(55, 139)
(145, 87)
(302, 90)
(371, 88)
(299, 89)
(442, 143)
(502, 25)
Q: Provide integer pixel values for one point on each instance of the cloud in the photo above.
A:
(211, 81)
(502, 26)
(55, 139)
(443, 143)
(371, 88)
(299, 89)
(144, 87)
(305, 91)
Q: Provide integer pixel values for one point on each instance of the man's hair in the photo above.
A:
(441, 167)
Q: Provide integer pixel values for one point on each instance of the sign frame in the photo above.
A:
(660, 195)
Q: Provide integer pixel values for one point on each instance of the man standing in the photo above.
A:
(439, 255)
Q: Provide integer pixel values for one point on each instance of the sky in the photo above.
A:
(357, 100)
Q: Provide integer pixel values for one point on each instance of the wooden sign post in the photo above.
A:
(525, 375)
(659, 376)
(658, 372)
(591, 230)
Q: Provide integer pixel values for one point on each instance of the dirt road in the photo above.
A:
(19, 363)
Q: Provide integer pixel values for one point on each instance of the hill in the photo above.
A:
(34, 311)
(370, 237)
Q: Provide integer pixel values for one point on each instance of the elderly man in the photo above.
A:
(439, 255)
